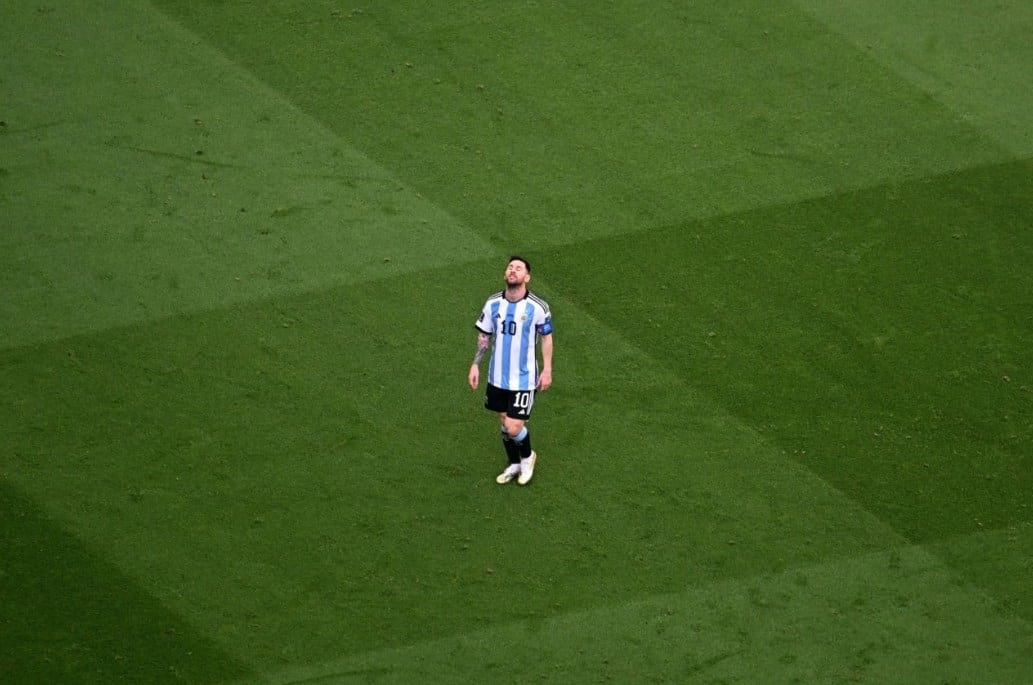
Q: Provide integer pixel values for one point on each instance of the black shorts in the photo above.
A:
(516, 404)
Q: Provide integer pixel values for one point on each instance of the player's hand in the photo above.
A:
(475, 376)
(545, 380)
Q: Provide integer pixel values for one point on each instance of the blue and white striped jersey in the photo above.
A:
(516, 327)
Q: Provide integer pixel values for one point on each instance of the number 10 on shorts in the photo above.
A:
(523, 401)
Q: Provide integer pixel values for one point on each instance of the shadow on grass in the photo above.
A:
(68, 616)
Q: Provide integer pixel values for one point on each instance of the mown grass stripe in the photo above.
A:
(895, 616)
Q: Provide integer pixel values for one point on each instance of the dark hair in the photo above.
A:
(517, 257)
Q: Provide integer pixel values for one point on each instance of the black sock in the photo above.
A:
(524, 446)
(512, 449)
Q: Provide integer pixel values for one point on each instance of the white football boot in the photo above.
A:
(511, 472)
(527, 469)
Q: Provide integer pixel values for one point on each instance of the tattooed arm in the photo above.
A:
(483, 340)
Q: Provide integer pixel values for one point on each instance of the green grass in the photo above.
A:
(896, 617)
(677, 112)
(890, 356)
(70, 616)
(787, 253)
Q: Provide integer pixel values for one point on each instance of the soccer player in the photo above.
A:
(517, 319)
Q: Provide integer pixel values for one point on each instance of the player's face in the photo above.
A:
(516, 273)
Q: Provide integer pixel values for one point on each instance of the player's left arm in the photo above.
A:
(545, 376)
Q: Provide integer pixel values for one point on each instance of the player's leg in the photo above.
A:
(512, 452)
(515, 425)
(498, 400)
(518, 433)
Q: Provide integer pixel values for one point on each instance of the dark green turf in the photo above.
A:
(67, 615)
(883, 338)
(550, 123)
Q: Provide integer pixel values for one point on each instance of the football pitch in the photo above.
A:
(787, 246)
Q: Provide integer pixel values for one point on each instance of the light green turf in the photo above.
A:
(973, 57)
(155, 176)
(894, 617)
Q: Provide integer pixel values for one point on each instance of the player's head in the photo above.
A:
(518, 258)
(518, 271)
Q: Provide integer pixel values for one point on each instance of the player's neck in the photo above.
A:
(516, 293)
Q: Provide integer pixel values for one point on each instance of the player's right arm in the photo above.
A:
(483, 340)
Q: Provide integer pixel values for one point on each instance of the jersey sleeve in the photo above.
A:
(485, 322)
(544, 323)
